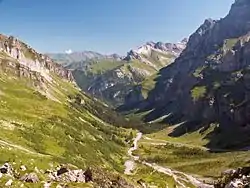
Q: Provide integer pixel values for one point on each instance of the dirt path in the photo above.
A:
(130, 164)
(4, 143)
(179, 177)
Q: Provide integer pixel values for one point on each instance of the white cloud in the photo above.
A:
(69, 51)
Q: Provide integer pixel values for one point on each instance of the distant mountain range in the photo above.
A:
(111, 77)
(74, 57)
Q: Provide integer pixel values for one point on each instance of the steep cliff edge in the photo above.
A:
(208, 82)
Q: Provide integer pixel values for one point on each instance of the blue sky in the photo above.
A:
(106, 26)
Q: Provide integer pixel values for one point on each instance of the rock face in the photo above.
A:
(210, 79)
(19, 60)
(163, 51)
(29, 60)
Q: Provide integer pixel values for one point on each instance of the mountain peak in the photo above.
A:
(146, 49)
(184, 41)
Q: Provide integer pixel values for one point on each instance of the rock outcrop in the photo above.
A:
(63, 176)
(234, 178)
(30, 178)
(30, 60)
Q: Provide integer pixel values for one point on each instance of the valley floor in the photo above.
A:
(163, 161)
(177, 178)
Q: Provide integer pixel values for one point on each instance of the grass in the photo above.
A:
(148, 84)
(69, 130)
(153, 178)
(188, 154)
(160, 59)
(198, 92)
(140, 65)
(45, 125)
(101, 66)
(230, 43)
(198, 71)
(193, 161)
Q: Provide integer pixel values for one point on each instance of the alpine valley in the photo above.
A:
(170, 115)
(111, 77)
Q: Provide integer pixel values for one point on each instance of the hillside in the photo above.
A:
(208, 83)
(111, 78)
(46, 121)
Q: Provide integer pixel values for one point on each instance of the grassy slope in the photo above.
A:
(147, 85)
(37, 131)
(104, 65)
(160, 59)
(153, 178)
(188, 154)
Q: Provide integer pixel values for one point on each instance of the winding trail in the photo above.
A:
(4, 143)
(179, 177)
(130, 164)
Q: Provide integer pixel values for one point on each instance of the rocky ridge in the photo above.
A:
(29, 59)
(172, 50)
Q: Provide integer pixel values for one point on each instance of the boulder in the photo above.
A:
(47, 185)
(9, 183)
(6, 169)
(66, 175)
(88, 175)
(235, 178)
(30, 178)
(23, 168)
(62, 171)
